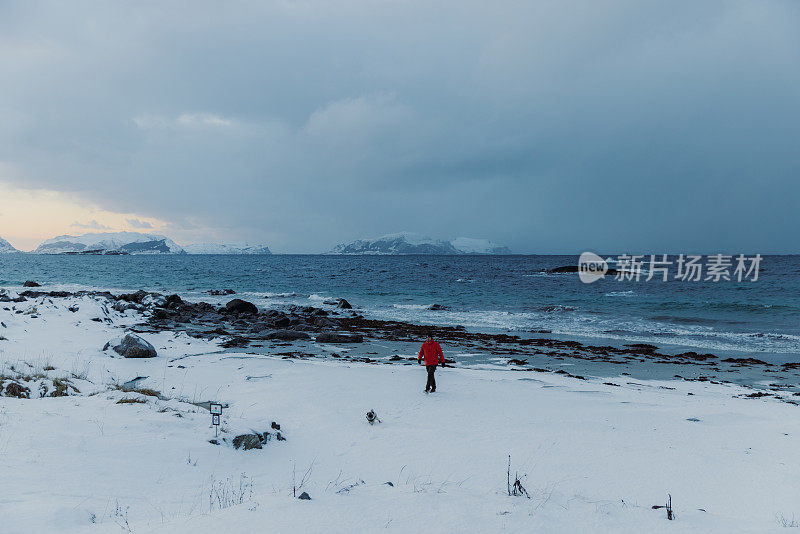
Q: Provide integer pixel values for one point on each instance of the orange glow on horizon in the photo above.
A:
(29, 216)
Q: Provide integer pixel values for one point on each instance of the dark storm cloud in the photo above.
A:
(547, 126)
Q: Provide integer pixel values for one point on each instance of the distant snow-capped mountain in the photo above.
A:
(470, 245)
(400, 243)
(5, 247)
(410, 243)
(120, 242)
(229, 248)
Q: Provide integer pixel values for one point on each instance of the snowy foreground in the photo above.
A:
(595, 457)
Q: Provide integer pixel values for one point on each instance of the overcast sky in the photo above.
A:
(546, 126)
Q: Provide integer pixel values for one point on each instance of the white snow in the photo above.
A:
(403, 243)
(227, 248)
(470, 245)
(6, 247)
(409, 237)
(595, 457)
(102, 241)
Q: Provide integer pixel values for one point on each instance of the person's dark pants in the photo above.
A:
(431, 385)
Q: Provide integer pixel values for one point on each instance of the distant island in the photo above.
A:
(230, 248)
(122, 243)
(411, 243)
(107, 242)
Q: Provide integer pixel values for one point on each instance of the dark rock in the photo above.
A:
(219, 331)
(304, 496)
(132, 346)
(323, 322)
(33, 294)
(329, 337)
(31, 283)
(281, 322)
(173, 301)
(339, 303)
(240, 306)
(220, 292)
(745, 361)
(287, 335)
(691, 355)
(517, 362)
(236, 341)
(275, 426)
(565, 269)
(389, 484)
(123, 305)
(134, 297)
(438, 307)
(642, 346)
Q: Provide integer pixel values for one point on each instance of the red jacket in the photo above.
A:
(432, 352)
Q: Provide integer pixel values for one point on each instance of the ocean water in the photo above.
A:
(487, 293)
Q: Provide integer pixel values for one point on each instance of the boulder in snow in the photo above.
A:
(132, 346)
(254, 440)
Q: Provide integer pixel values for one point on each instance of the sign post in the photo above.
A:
(216, 412)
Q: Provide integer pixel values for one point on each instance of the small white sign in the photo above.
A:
(215, 409)
(215, 419)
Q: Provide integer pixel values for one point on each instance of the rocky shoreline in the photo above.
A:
(242, 325)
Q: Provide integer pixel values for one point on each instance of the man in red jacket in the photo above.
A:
(433, 355)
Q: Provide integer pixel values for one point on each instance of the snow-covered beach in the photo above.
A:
(594, 454)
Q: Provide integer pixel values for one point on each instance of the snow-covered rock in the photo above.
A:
(6, 247)
(411, 243)
(226, 248)
(132, 346)
(120, 242)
